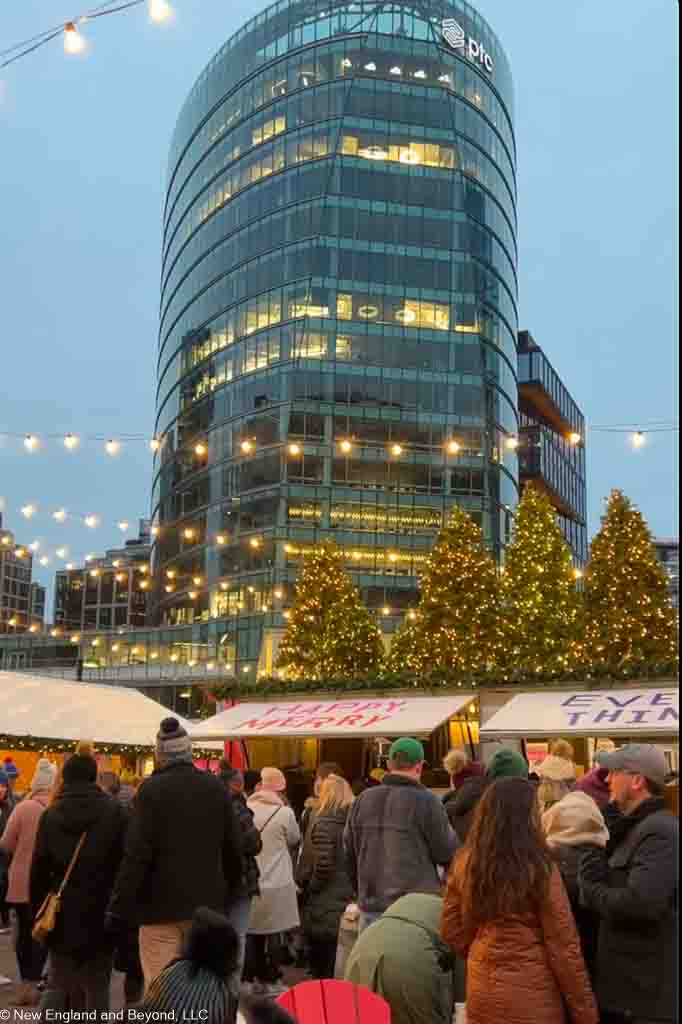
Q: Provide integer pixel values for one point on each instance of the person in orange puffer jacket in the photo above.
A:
(506, 910)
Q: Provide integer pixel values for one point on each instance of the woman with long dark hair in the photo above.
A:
(507, 912)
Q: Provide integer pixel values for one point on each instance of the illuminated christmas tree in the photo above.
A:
(631, 626)
(330, 632)
(456, 629)
(541, 604)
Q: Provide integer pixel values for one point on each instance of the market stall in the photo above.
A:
(44, 714)
(352, 730)
(648, 714)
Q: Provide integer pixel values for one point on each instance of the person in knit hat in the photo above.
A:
(197, 980)
(594, 782)
(183, 851)
(504, 764)
(557, 774)
(570, 826)
(18, 842)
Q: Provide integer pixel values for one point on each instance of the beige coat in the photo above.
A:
(276, 909)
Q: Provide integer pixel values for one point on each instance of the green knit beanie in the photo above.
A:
(507, 764)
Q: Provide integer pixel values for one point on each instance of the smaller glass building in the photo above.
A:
(552, 442)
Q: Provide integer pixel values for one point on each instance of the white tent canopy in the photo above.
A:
(647, 711)
(347, 717)
(57, 709)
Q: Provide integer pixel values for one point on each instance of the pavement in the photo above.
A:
(8, 972)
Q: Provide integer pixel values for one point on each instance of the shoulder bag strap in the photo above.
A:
(263, 828)
(72, 863)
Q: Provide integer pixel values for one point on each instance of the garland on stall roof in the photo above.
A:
(39, 745)
(434, 684)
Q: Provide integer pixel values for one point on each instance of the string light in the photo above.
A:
(73, 41)
(112, 447)
(294, 449)
(247, 447)
(154, 444)
(123, 526)
(70, 442)
(91, 521)
(30, 442)
(397, 450)
(574, 438)
(160, 10)
(200, 449)
(454, 447)
(28, 511)
(512, 443)
(638, 439)
(59, 515)
(346, 447)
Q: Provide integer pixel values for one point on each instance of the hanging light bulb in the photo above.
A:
(73, 40)
(574, 437)
(454, 447)
(160, 10)
(154, 444)
(512, 443)
(70, 442)
(91, 522)
(638, 439)
(346, 447)
(396, 449)
(112, 447)
(30, 443)
(59, 515)
(44, 560)
(61, 552)
(200, 449)
(247, 446)
(28, 511)
(123, 526)
(294, 449)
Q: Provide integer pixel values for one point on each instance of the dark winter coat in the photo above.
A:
(461, 805)
(328, 889)
(183, 849)
(252, 844)
(586, 921)
(633, 889)
(81, 807)
(396, 838)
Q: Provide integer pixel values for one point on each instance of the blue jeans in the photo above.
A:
(238, 917)
(368, 917)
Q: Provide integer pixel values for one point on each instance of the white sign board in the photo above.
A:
(588, 713)
(368, 716)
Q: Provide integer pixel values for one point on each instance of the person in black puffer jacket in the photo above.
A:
(80, 951)
(326, 884)
(240, 911)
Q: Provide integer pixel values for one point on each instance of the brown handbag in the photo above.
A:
(46, 919)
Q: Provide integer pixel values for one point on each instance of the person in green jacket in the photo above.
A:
(402, 958)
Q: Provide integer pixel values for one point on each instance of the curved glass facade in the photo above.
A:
(337, 346)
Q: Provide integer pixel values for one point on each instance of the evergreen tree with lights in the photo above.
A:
(455, 631)
(540, 599)
(330, 633)
(630, 624)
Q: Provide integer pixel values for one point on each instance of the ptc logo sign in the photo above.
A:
(454, 34)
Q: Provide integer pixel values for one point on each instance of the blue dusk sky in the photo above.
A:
(83, 146)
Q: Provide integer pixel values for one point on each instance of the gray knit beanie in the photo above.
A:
(172, 743)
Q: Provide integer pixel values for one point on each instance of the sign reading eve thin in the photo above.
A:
(454, 34)
(585, 709)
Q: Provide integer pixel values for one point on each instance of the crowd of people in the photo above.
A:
(529, 897)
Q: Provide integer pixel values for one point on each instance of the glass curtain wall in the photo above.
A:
(337, 351)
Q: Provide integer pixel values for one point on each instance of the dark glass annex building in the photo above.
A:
(337, 349)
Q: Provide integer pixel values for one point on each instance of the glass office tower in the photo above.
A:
(337, 349)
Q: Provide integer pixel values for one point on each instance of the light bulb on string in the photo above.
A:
(71, 442)
(91, 522)
(160, 11)
(60, 515)
(123, 526)
(112, 447)
(73, 41)
(28, 511)
(30, 442)
(638, 439)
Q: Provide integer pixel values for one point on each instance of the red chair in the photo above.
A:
(334, 1002)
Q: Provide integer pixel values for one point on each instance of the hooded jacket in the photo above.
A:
(571, 826)
(81, 808)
